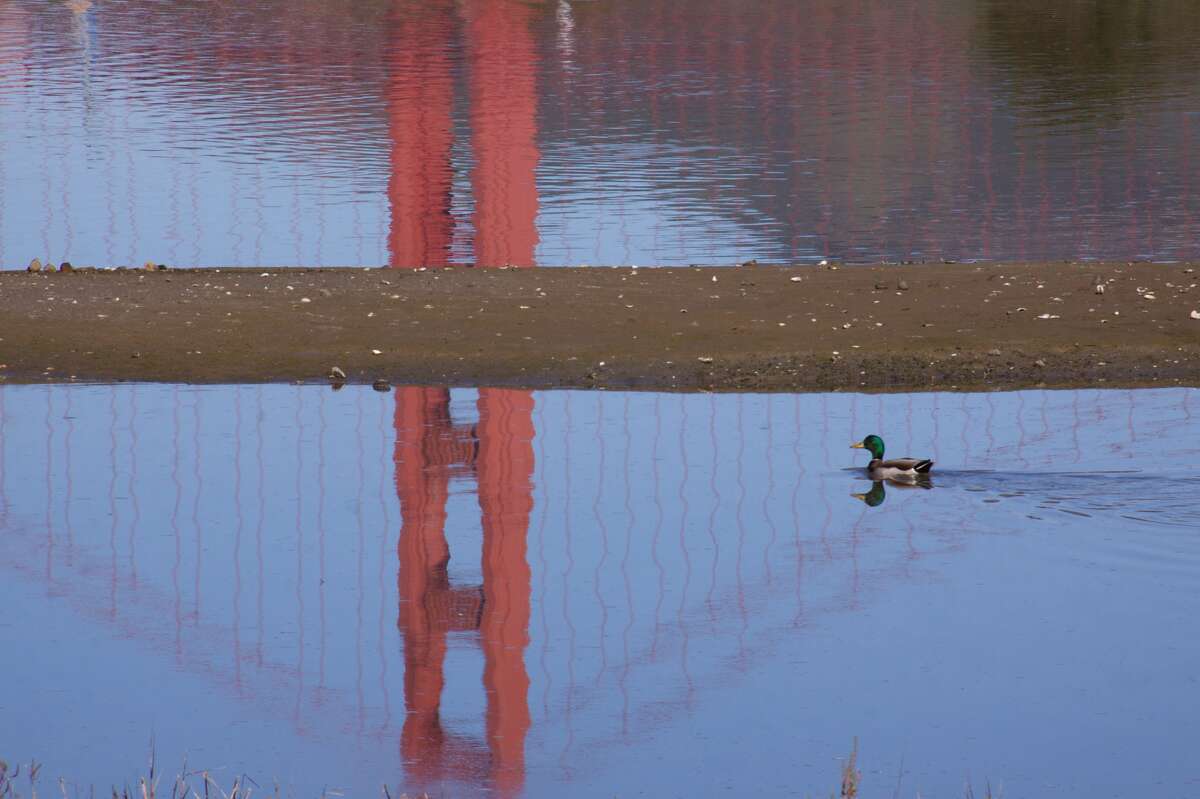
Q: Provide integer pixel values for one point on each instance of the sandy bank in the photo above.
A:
(758, 327)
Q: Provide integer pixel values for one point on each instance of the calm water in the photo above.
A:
(599, 594)
(622, 131)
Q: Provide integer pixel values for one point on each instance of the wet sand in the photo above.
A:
(752, 327)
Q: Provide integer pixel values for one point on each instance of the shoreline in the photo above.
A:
(755, 328)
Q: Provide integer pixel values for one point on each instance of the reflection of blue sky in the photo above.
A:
(707, 598)
(120, 182)
(131, 186)
(120, 143)
(606, 213)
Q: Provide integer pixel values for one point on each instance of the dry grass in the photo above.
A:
(186, 784)
(189, 784)
(852, 779)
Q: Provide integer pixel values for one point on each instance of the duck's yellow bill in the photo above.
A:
(860, 496)
(857, 445)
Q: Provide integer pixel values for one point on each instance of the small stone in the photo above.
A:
(34, 266)
(794, 279)
(902, 285)
(377, 352)
(1039, 362)
(65, 266)
(880, 286)
(51, 268)
(705, 359)
(305, 299)
(381, 385)
(336, 373)
(150, 266)
(1099, 288)
(326, 293)
(994, 352)
(751, 262)
(136, 355)
(1195, 314)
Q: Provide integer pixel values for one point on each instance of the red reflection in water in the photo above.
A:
(498, 452)
(420, 98)
(503, 124)
(430, 448)
(501, 56)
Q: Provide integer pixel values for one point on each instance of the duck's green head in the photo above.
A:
(872, 443)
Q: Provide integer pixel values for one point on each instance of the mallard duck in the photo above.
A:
(898, 469)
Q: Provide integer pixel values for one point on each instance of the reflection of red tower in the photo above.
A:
(429, 450)
(503, 97)
(420, 98)
(503, 125)
(429, 447)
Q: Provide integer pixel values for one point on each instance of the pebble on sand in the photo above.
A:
(34, 266)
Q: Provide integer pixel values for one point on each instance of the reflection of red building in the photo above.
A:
(421, 128)
(430, 448)
(499, 452)
(503, 127)
(500, 58)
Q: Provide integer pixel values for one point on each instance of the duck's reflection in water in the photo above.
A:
(878, 494)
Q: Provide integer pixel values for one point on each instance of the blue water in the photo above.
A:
(368, 132)
(692, 599)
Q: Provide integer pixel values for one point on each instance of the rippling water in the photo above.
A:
(598, 594)
(622, 131)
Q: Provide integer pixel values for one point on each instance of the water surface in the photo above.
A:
(367, 132)
(534, 594)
